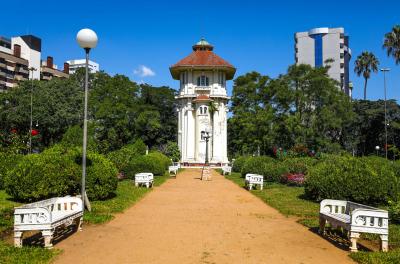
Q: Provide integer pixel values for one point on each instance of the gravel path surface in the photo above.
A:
(187, 220)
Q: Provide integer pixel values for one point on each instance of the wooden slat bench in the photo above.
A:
(254, 180)
(355, 218)
(46, 216)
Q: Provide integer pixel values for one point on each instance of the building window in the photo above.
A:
(203, 110)
(221, 79)
(202, 81)
(318, 50)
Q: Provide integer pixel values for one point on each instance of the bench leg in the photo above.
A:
(384, 243)
(18, 238)
(261, 187)
(80, 224)
(353, 239)
(250, 186)
(136, 184)
(48, 236)
(322, 223)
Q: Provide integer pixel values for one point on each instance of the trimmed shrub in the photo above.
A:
(300, 165)
(262, 165)
(394, 212)
(363, 180)
(238, 164)
(42, 176)
(122, 157)
(171, 150)
(7, 162)
(101, 181)
(57, 172)
(155, 162)
(273, 171)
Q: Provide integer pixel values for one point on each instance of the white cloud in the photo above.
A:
(144, 71)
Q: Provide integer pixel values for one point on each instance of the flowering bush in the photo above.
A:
(293, 178)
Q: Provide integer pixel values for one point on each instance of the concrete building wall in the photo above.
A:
(33, 56)
(334, 46)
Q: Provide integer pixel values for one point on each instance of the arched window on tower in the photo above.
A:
(203, 81)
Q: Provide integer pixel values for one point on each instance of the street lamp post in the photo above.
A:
(87, 39)
(377, 150)
(205, 135)
(31, 69)
(384, 70)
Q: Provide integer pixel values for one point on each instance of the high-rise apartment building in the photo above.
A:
(81, 63)
(18, 55)
(320, 46)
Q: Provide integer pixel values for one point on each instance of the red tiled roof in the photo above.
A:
(203, 59)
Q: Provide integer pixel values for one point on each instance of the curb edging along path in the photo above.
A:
(187, 220)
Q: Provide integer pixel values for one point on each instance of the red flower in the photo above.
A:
(34, 132)
(14, 131)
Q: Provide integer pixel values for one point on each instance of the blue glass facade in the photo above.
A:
(318, 50)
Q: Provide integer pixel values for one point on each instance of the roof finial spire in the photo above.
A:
(203, 45)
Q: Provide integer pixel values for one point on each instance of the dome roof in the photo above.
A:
(203, 58)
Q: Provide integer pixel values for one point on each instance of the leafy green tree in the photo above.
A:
(148, 127)
(367, 129)
(392, 43)
(302, 107)
(57, 104)
(364, 64)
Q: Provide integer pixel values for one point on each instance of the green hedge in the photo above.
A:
(122, 157)
(42, 176)
(262, 165)
(155, 162)
(57, 172)
(238, 164)
(364, 180)
(299, 165)
(7, 162)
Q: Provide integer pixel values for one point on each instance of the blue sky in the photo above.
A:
(252, 35)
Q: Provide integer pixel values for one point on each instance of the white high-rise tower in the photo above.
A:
(202, 104)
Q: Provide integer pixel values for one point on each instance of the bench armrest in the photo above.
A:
(32, 216)
(370, 218)
(332, 206)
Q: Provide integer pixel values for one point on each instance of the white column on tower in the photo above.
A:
(190, 132)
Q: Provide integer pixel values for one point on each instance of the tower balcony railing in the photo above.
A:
(202, 88)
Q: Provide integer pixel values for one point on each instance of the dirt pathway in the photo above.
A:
(190, 221)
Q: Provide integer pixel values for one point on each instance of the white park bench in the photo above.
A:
(46, 216)
(226, 170)
(254, 180)
(173, 169)
(355, 218)
(144, 178)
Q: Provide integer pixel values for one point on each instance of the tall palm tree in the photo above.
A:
(364, 64)
(392, 43)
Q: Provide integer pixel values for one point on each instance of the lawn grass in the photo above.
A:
(26, 255)
(6, 212)
(290, 201)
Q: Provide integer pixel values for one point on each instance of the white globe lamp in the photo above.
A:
(87, 38)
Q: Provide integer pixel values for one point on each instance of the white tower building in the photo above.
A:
(202, 104)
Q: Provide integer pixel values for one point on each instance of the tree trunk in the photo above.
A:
(365, 88)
